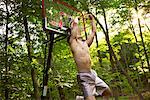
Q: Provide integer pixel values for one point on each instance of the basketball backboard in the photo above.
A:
(56, 16)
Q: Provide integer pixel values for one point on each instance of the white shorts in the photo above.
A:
(91, 84)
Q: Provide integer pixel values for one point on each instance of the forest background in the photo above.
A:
(120, 53)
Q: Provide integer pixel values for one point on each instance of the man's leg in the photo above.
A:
(86, 98)
(102, 89)
(87, 85)
(90, 98)
(80, 98)
(106, 94)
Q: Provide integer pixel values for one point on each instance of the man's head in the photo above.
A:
(73, 22)
(74, 28)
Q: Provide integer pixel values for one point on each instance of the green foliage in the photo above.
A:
(63, 71)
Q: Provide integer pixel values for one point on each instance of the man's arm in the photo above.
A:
(91, 36)
(74, 30)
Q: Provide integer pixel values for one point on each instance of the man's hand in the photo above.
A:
(92, 23)
(76, 20)
(91, 36)
(91, 17)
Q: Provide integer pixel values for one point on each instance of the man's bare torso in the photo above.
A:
(81, 55)
(80, 48)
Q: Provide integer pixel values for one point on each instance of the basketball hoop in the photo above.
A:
(57, 16)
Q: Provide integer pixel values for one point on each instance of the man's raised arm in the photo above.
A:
(74, 29)
(91, 36)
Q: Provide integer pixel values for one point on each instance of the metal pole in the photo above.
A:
(49, 59)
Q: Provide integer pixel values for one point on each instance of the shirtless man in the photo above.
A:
(90, 83)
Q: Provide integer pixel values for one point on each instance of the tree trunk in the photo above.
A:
(147, 27)
(140, 57)
(145, 52)
(6, 51)
(33, 74)
(124, 57)
(61, 93)
(98, 51)
(35, 84)
(132, 28)
(118, 64)
(143, 44)
(110, 54)
(141, 35)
